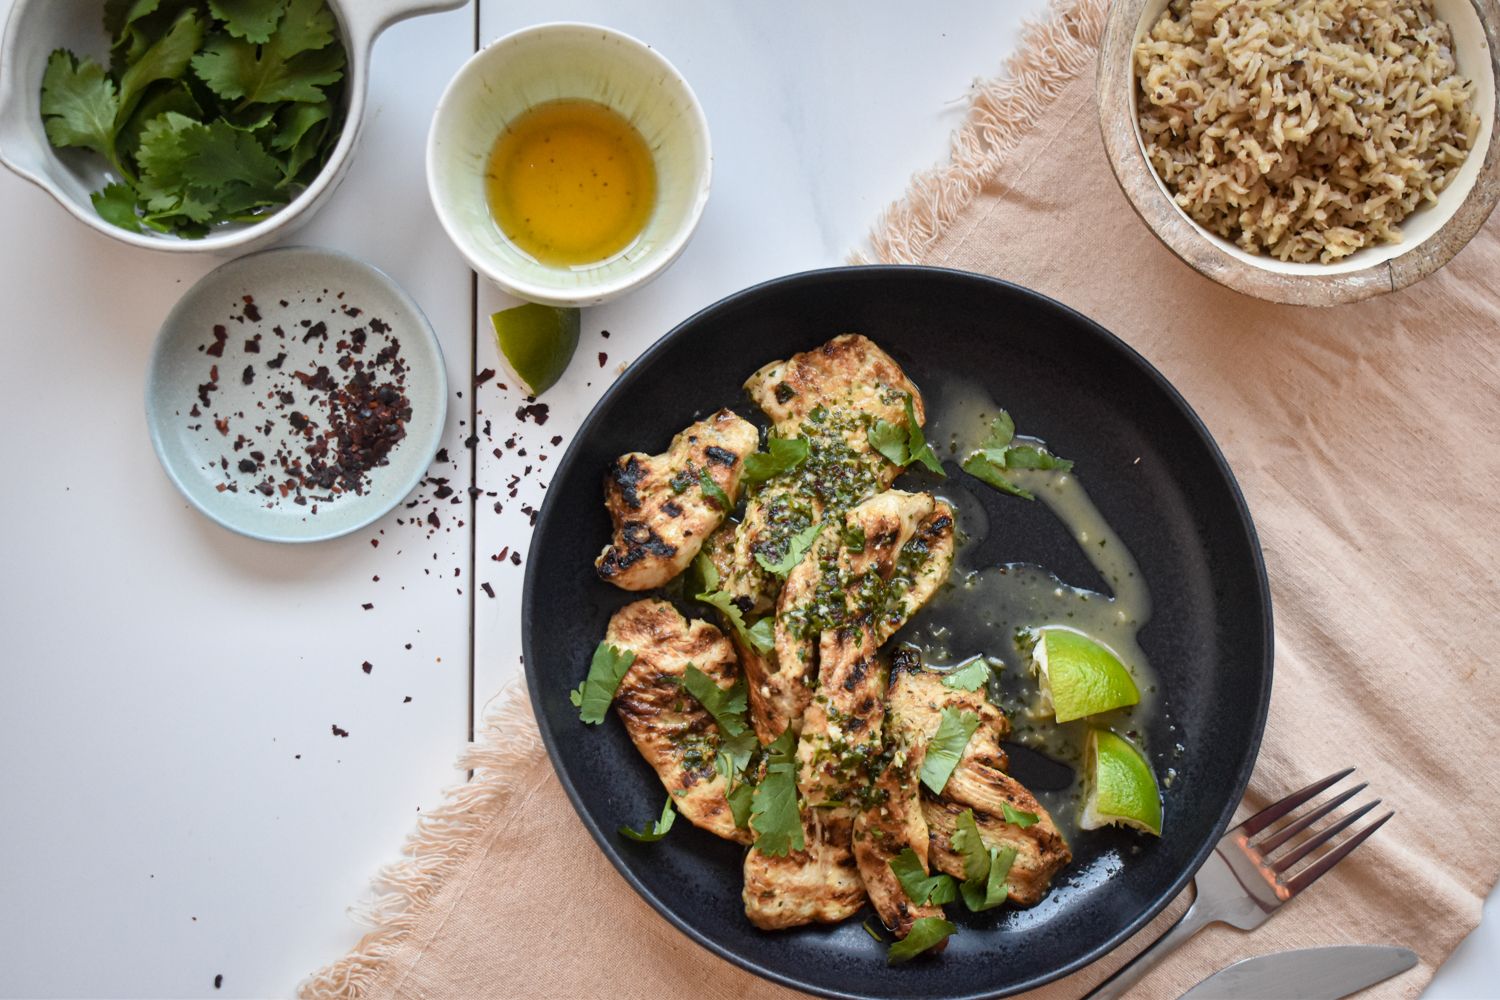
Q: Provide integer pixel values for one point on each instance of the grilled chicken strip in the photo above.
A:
(672, 731)
(856, 586)
(840, 734)
(979, 782)
(661, 513)
(831, 396)
(892, 821)
(895, 549)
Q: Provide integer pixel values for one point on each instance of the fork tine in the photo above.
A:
(1292, 829)
(1320, 868)
(1271, 813)
(1318, 838)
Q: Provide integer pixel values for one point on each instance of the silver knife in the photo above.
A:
(1308, 974)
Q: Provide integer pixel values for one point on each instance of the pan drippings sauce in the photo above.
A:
(983, 608)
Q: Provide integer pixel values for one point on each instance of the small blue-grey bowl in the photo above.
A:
(304, 303)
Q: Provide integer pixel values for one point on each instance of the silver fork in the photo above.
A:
(1242, 884)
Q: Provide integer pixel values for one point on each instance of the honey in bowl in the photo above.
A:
(571, 183)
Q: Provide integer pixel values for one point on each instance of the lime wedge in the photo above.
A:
(1079, 676)
(1121, 788)
(537, 343)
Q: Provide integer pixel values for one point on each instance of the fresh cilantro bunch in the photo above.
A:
(210, 111)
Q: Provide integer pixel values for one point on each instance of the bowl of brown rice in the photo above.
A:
(1312, 152)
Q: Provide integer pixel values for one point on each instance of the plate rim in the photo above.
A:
(875, 272)
(154, 418)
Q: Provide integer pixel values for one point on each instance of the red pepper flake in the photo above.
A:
(367, 607)
(216, 349)
(432, 519)
(406, 700)
(340, 731)
(219, 979)
(604, 334)
(488, 590)
(367, 666)
(252, 312)
(500, 556)
(223, 425)
(515, 557)
(603, 359)
(374, 543)
(484, 376)
(533, 411)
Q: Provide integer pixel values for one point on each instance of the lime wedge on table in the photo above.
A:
(537, 342)
(1079, 676)
(1121, 788)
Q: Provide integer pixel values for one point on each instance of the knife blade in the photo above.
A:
(1306, 974)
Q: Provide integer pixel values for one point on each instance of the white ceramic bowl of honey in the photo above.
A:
(569, 163)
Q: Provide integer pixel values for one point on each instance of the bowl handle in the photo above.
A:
(368, 18)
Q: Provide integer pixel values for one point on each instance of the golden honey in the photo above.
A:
(571, 183)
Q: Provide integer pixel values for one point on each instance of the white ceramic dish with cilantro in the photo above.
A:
(37, 29)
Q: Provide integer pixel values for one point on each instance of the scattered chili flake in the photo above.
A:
(603, 359)
(484, 376)
(367, 607)
(604, 334)
(432, 519)
(248, 375)
(252, 312)
(534, 411)
(515, 557)
(406, 700)
(367, 666)
(216, 349)
(374, 543)
(219, 979)
(339, 731)
(488, 590)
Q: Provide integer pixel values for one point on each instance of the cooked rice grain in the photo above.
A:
(1303, 128)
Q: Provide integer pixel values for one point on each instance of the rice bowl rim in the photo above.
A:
(1461, 209)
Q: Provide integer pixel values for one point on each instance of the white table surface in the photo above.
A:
(175, 805)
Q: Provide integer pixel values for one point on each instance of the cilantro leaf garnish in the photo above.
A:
(774, 813)
(207, 113)
(1018, 817)
(920, 887)
(740, 799)
(946, 747)
(796, 547)
(985, 868)
(711, 490)
(970, 675)
(761, 636)
(726, 705)
(782, 455)
(650, 834)
(1000, 454)
(606, 670)
(992, 890)
(903, 444)
(924, 934)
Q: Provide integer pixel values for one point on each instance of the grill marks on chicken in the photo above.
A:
(831, 396)
(891, 822)
(979, 782)
(859, 583)
(661, 513)
(672, 731)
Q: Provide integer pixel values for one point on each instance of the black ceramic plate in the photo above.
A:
(1149, 465)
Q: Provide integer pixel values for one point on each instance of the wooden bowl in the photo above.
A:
(1432, 234)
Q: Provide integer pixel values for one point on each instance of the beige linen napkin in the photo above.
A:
(1365, 438)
